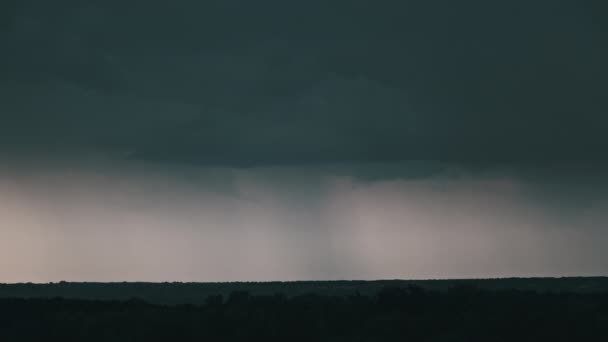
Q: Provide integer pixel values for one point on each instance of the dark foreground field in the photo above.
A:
(371, 311)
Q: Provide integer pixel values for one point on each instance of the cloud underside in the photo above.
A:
(240, 83)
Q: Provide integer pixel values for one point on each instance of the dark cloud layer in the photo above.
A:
(244, 83)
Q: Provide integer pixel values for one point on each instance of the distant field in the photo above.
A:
(196, 293)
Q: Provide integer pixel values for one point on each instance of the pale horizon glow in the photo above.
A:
(130, 221)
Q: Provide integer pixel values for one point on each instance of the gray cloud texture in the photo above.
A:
(258, 140)
(242, 83)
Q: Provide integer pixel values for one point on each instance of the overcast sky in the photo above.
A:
(267, 140)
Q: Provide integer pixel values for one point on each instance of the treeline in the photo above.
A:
(462, 313)
(196, 293)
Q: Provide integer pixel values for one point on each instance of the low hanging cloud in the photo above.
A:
(141, 221)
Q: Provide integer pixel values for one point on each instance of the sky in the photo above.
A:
(273, 140)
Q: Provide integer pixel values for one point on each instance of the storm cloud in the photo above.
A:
(279, 140)
(244, 83)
